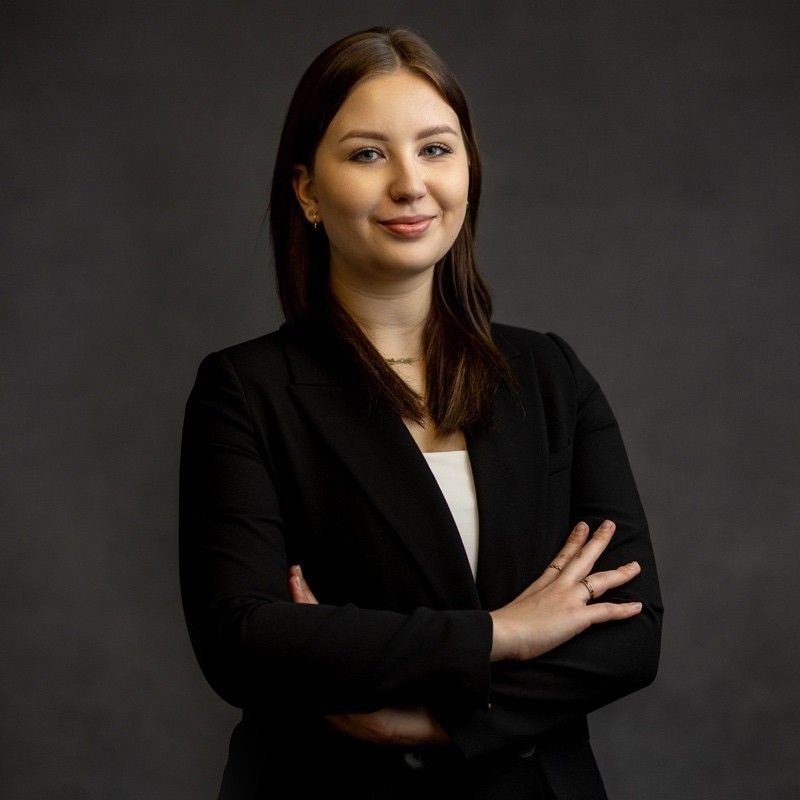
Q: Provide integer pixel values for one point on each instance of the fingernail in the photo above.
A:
(581, 527)
(633, 564)
(607, 524)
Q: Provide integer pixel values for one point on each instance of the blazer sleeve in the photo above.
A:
(607, 661)
(255, 646)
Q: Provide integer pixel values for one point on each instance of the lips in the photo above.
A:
(408, 226)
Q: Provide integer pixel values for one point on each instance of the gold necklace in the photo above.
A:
(410, 360)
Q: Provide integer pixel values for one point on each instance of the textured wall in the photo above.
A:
(641, 200)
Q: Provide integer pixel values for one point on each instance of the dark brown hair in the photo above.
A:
(463, 365)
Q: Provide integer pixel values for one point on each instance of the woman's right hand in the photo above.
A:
(556, 607)
(397, 725)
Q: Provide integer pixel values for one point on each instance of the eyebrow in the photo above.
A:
(423, 134)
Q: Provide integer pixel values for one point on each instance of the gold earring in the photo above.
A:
(315, 220)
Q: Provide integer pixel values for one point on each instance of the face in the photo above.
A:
(390, 179)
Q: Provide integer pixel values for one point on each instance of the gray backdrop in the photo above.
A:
(641, 200)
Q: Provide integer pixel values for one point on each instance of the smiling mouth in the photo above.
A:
(408, 228)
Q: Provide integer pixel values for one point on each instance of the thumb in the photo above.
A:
(301, 591)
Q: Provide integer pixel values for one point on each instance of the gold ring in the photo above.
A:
(588, 585)
(554, 566)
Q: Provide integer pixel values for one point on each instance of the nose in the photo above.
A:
(407, 180)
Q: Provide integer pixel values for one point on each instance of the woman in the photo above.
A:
(392, 556)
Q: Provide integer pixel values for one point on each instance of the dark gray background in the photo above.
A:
(641, 199)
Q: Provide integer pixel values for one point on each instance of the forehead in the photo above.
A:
(399, 100)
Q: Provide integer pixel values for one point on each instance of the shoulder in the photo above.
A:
(258, 351)
(259, 360)
(549, 350)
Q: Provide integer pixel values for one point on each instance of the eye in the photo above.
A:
(366, 155)
(436, 149)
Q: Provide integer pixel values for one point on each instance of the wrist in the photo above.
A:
(502, 649)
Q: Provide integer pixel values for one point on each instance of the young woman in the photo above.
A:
(412, 550)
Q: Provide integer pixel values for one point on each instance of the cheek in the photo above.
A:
(455, 190)
(345, 196)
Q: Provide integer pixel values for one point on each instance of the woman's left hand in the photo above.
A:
(406, 725)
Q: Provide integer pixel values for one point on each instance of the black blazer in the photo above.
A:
(286, 460)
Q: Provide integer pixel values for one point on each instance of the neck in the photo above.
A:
(392, 315)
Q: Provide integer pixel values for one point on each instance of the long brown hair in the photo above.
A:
(463, 365)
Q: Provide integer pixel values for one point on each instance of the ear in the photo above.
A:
(303, 184)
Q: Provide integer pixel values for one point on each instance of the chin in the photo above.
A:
(417, 263)
(418, 253)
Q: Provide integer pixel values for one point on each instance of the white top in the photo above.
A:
(453, 472)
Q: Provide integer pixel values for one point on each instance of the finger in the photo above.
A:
(298, 588)
(307, 593)
(606, 612)
(575, 541)
(581, 565)
(571, 548)
(295, 586)
(603, 581)
(301, 592)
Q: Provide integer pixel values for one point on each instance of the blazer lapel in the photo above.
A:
(509, 465)
(382, 456)
(376, 447)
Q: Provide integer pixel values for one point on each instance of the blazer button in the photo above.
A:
(527, 753)
(413, 760)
